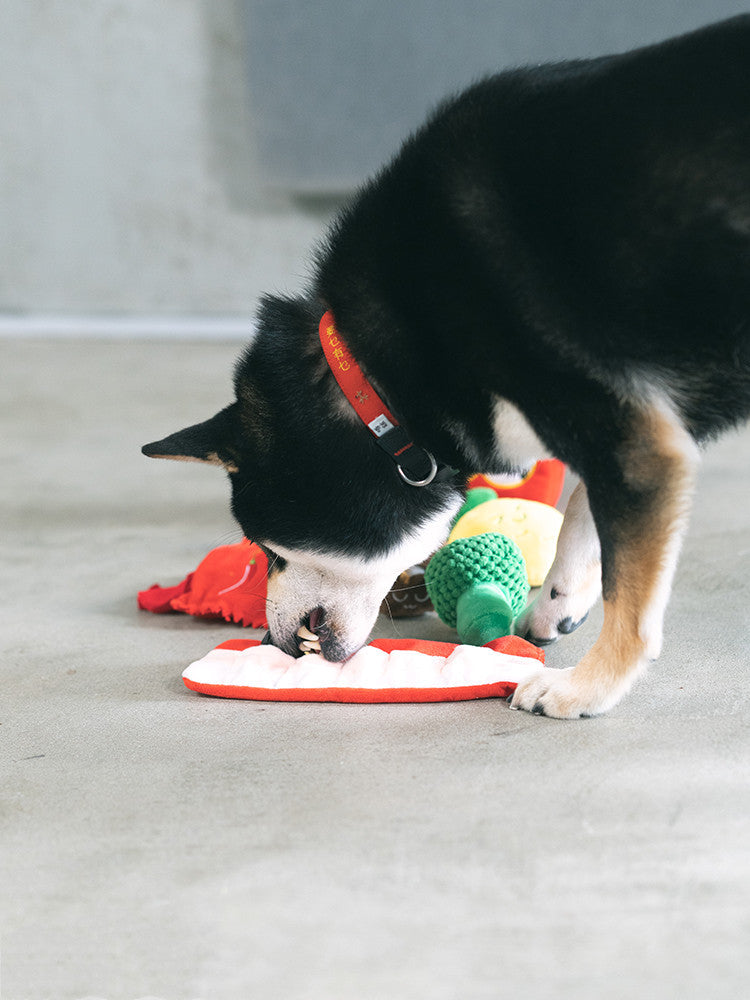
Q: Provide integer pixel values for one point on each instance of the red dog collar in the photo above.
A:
(416, 466)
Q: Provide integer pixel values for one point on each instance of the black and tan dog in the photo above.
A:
(557, 263)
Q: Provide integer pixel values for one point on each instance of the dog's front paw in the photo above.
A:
(555, 612)
(542, 628)
(560, 694)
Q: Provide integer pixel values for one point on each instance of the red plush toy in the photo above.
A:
(544, 483)
(229, 583)
(387, 670)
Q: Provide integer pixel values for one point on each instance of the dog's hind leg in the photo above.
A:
(574, 581)
(641, 513)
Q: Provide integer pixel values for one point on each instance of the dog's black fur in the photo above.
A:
(573, 239)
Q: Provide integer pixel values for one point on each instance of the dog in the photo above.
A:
(556, 264)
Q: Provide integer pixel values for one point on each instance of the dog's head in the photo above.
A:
(311, 486)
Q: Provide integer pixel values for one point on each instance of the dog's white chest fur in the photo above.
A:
(516, 443)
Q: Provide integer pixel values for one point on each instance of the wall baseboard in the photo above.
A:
(124, 327)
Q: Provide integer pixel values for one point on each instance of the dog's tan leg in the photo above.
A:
(641, 530)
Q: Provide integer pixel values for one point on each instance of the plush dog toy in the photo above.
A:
(387, 670)
(230, 583)
(532, 525)
(544, 483)
(478, 586)
(408, 597)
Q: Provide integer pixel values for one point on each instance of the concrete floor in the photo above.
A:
(156, 843)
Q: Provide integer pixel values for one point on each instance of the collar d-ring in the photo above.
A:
(428, 478)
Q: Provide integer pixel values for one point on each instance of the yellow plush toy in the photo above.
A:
(533, 526)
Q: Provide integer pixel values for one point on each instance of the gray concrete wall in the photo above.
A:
(351, 79)
(127, 177)
(148, 148)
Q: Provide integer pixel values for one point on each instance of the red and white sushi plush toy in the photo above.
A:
(387, 670)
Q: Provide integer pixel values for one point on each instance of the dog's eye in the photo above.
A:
(275, 561)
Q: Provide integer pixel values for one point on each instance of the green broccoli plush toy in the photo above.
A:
(478, 586)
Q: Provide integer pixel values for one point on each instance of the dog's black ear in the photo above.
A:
(209, 442)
